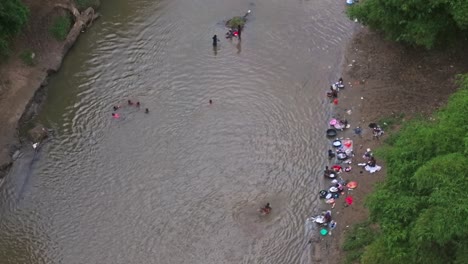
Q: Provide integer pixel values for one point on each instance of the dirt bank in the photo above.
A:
(20, 84)
(392, 80)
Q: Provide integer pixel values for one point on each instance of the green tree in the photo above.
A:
(13, 16)
(420, 22)
(421, 207)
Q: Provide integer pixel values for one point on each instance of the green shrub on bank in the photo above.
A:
(13, 16)
(421, 207)
(61, 27)
(28, 57)
(420, 22)
(360, 236)
(390, 122)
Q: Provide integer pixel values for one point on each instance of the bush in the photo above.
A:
(28, 57)
(13, 16)
(61, 27)
(425, 23)
(235, 22)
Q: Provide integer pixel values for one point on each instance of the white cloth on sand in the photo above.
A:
(372, 169)
(318, 219)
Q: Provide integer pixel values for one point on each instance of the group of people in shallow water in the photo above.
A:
(116, 115)
(232, 32)
(130, 103)
(229, 35)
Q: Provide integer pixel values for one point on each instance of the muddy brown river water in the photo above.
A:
(183, 183)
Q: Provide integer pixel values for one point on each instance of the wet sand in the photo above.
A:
(384, 79)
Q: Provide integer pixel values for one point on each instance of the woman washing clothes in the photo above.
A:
(371, 162)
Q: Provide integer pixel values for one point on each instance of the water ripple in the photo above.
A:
(183, 183)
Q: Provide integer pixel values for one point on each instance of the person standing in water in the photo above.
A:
(239, 29)
(211, 101)
(146, 111)
(215, 40)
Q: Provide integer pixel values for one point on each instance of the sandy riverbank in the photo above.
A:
(21, 85)
(392, 80)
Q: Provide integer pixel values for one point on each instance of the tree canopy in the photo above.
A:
(13, 16)
(421, 206)
(425, 23)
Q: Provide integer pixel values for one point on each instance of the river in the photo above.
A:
(183, 183)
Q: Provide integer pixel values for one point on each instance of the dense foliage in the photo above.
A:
(13, 16)
(421, 207)
(421, 22)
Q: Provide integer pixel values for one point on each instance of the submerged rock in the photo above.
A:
(38, 133)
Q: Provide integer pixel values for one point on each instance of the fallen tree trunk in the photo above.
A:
(83, 20)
